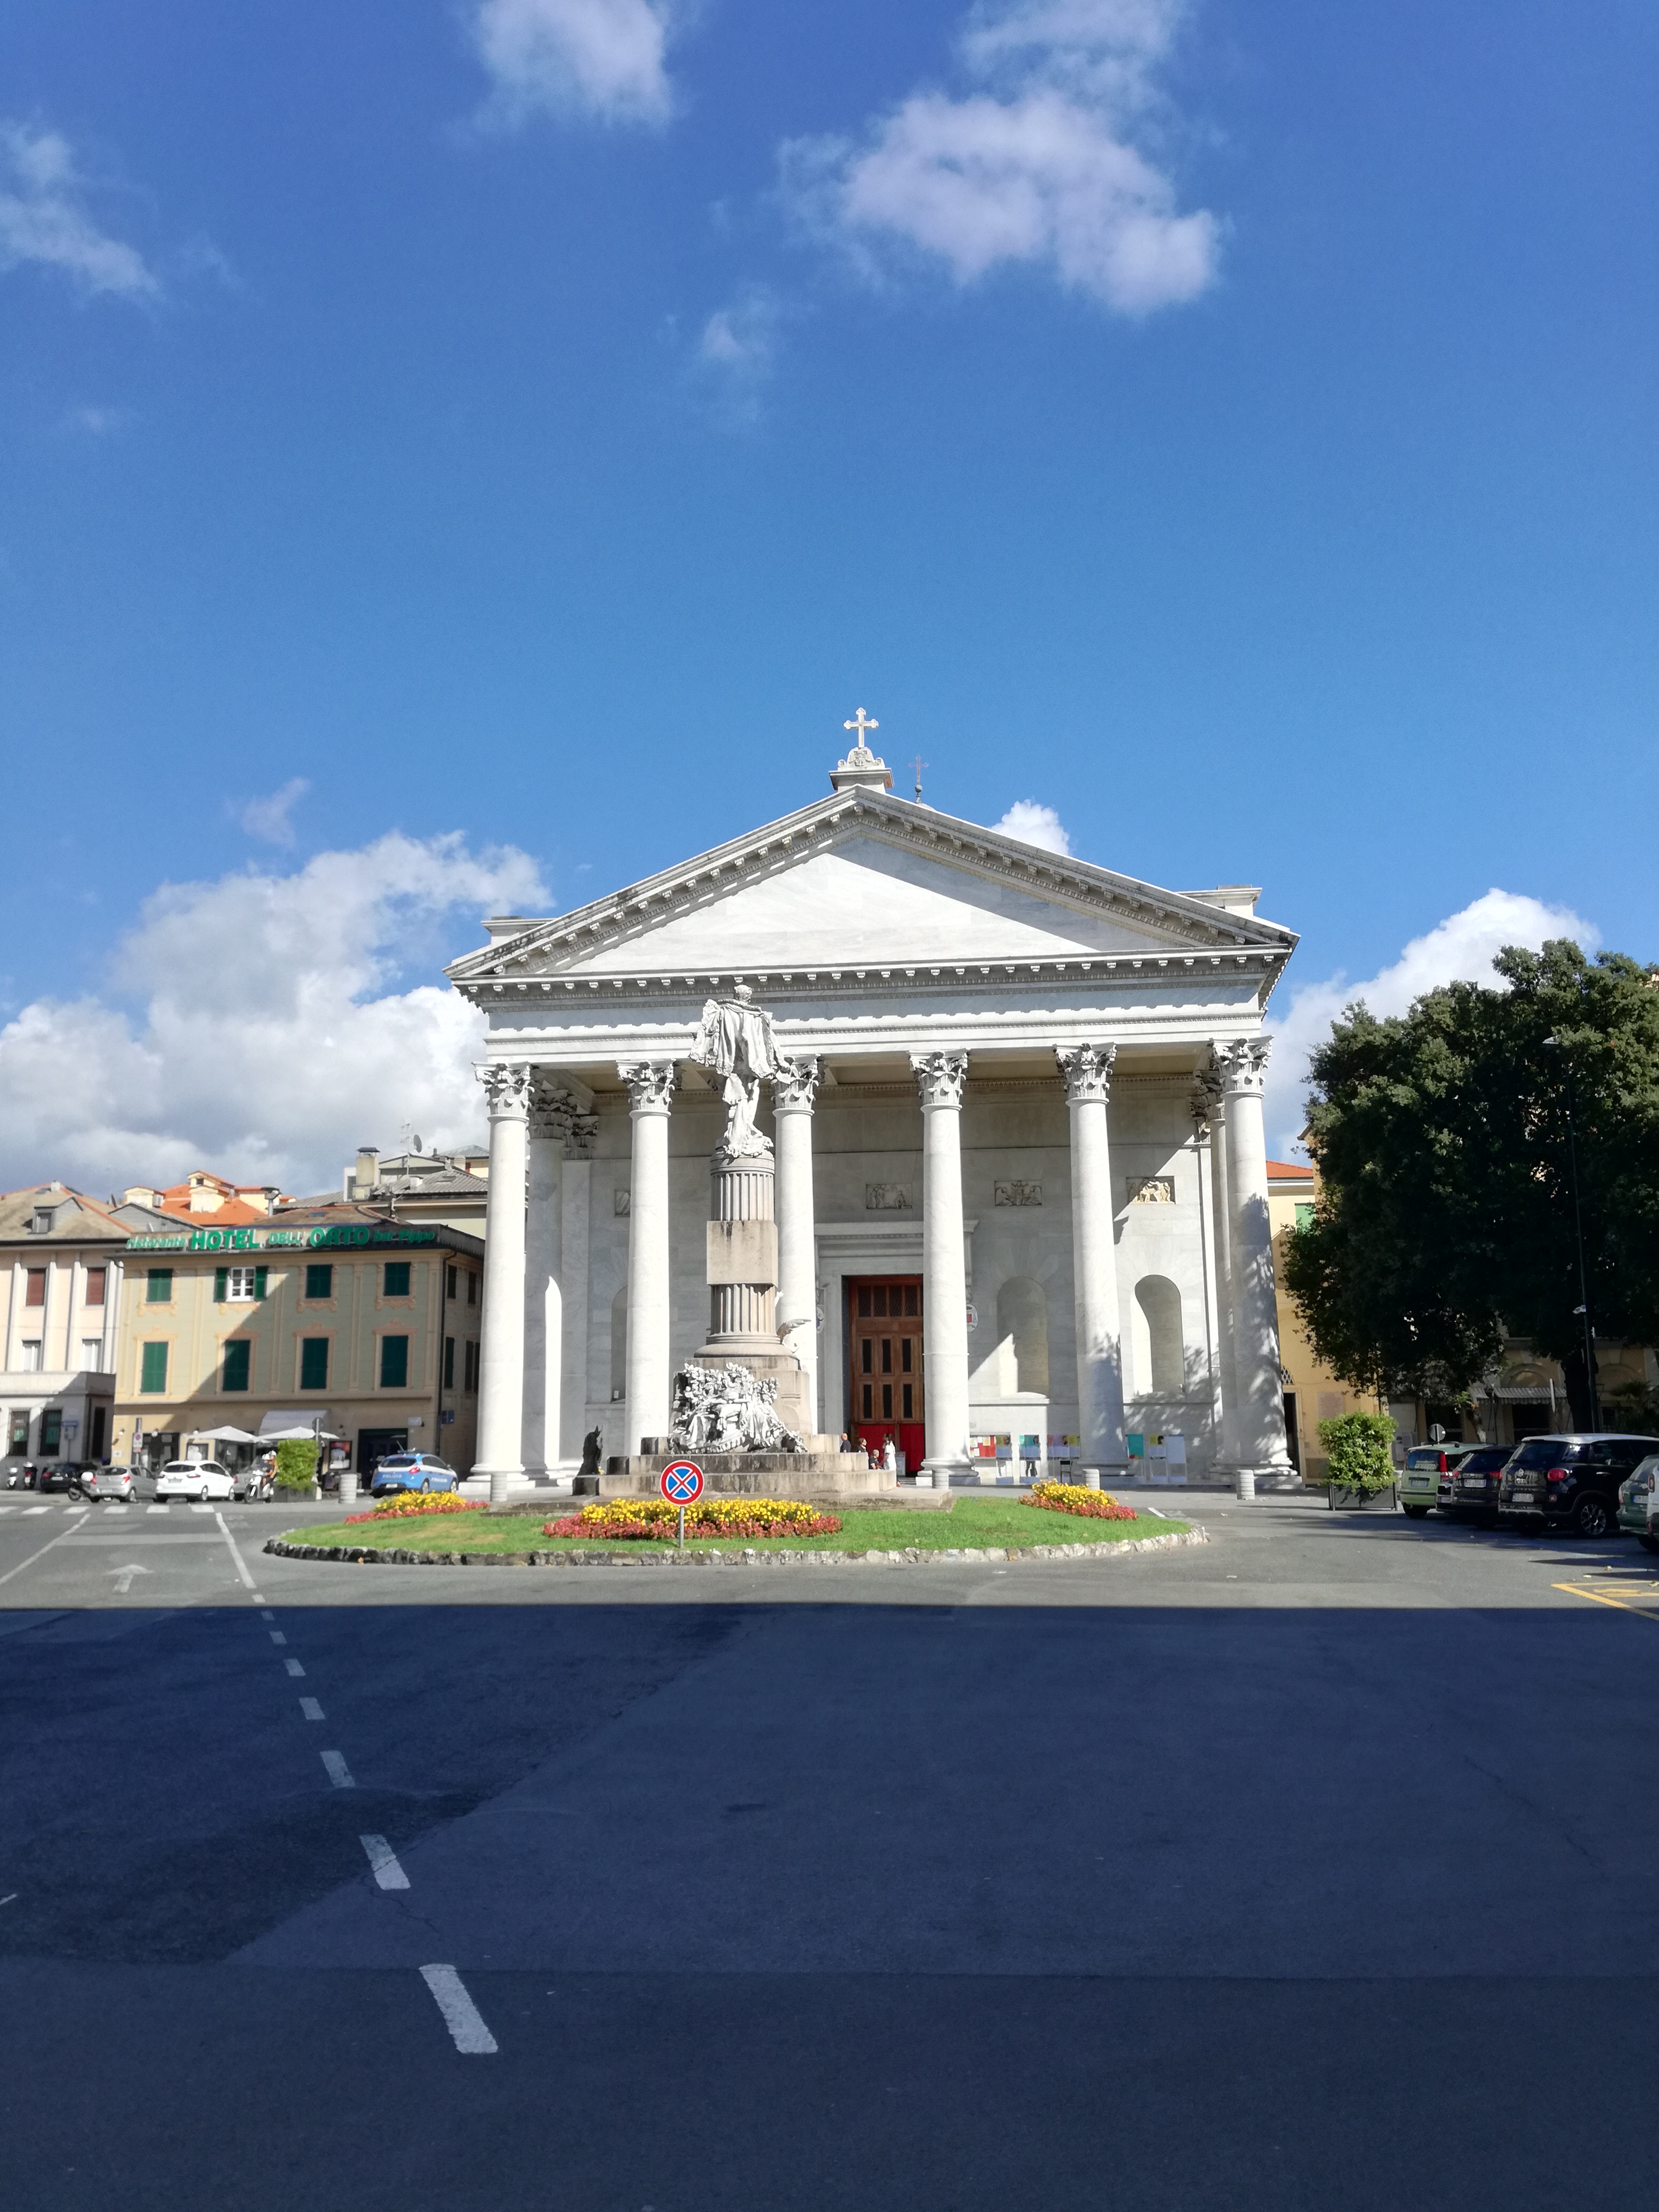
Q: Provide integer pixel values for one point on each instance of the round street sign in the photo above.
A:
(680, 1481)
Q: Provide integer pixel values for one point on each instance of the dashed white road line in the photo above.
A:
(338, 1772)
(28, 1510)
(277, 1636)
(267, 1614)
(241, 1564)
(294, 1669)
(383, 1860)
(461, 2016)
(310, 1709)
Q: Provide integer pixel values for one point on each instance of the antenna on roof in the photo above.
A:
(918, 764)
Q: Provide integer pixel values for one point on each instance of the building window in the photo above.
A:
(240, 1285)
(471, 1288)
(319, 1280)
(397, 1279)
(313, 1362)
(394, 1362)
(238, 1359)
(449, 1363)
(1304, 1215)
(92, 1354)
(153, 1376)
(41, 1221)
(51, 1432)
(20, 1432)
(452, 1276)
(95, 1280)
(469, 1381)
(34, 1292)
(158, 1286)
(31, 1355)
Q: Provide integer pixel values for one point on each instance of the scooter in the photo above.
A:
(23, 1478)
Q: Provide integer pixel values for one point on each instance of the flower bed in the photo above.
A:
(1073, 1498)
(405, 1504)
(654, 1521)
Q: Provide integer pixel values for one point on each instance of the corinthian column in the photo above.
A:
(576, 1178)
(940, 1077)
(1087, 1069)
(501, 1354)
(548, 1123)
(1258, 1422)
(650, 1087)
(1227, 1437)
(794, 1085)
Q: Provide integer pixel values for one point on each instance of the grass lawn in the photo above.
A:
(1007, 1522)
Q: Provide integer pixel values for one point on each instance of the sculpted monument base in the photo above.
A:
(820, 1473)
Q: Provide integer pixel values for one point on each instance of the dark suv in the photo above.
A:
(1471, 1485)
(1569, 1482)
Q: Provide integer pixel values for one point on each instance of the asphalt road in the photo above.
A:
(1308, 1869)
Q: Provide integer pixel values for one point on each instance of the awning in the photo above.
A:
(1523, 1394)
(293, 1421)
(225, 1436)
(307, 1435)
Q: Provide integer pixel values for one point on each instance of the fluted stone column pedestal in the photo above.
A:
(743, 1286)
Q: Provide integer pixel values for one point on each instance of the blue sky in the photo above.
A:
(1228, 426)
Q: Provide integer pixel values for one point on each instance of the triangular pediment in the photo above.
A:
(863, 880)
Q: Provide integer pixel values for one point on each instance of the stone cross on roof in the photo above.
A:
(861, 770)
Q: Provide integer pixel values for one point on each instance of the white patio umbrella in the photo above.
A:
(311, 1436)
(224, 1436)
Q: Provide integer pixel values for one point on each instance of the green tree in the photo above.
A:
(1445, 1220)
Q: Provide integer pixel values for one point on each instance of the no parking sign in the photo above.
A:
(681, 1482)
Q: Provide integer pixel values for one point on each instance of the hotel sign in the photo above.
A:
(281, 1239)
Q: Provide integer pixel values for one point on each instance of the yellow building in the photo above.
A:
(1312, 1393)
(331, 1314)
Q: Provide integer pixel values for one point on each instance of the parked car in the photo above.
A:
(195, 1477)
(103, 1483)
(1636, 1503)
(59, 1475)
(1421, 1477)
(1470, 1488)
(412, 1471)
(1569, 1482)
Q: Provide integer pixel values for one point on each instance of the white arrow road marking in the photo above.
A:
(461, 2016)
(338, 1772)
(310, 1709)
(124, 1576)
(384, 1861)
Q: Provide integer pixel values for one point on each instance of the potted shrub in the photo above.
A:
(1360, 1469)
(296, 1464)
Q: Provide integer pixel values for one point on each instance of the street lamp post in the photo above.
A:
(1583, 1308)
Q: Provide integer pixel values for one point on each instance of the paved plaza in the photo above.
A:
(1277, 1872)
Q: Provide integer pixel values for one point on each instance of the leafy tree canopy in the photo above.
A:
(1444, 1221)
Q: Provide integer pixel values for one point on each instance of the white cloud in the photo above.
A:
(600, 58)
(738, 351)
(1042, 165)
(44, 218)
(267, 819)
(1036, 825)
(267, 1035)
(1461, 948)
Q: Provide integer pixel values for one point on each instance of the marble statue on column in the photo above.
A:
(736, 1043)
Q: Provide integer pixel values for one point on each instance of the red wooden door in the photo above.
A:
(884, 1387)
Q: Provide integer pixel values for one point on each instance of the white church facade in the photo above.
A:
(1021, 1189)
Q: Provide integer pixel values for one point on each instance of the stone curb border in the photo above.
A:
(641, 1556)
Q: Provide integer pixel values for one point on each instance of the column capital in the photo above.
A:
(1087, 1069)
(794, 1085)
(579, 1137)
(1242, 1067)
(651, 1084)
(551, 1109)
(507, 1087)
(941, 1077)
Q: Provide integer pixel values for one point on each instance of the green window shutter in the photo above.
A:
(259, 1274)
(313, 1362)
(449, 1363)
(238, 1358)
(155, 1374)
(397, 1279)
(220, 1284)
(158, 1286)
(394, 1362)
(320, 1281)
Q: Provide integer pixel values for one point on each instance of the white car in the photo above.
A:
(195, 1477)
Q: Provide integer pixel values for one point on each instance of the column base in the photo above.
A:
(1268, 1481)
(500, 1478)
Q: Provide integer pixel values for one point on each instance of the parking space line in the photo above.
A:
(310, 1709)
(338, 1772)
(294, 1669)
(1600, 1597)
(383, 1860)
(461, 2016)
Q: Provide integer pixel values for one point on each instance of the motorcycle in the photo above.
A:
(22, 1478)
